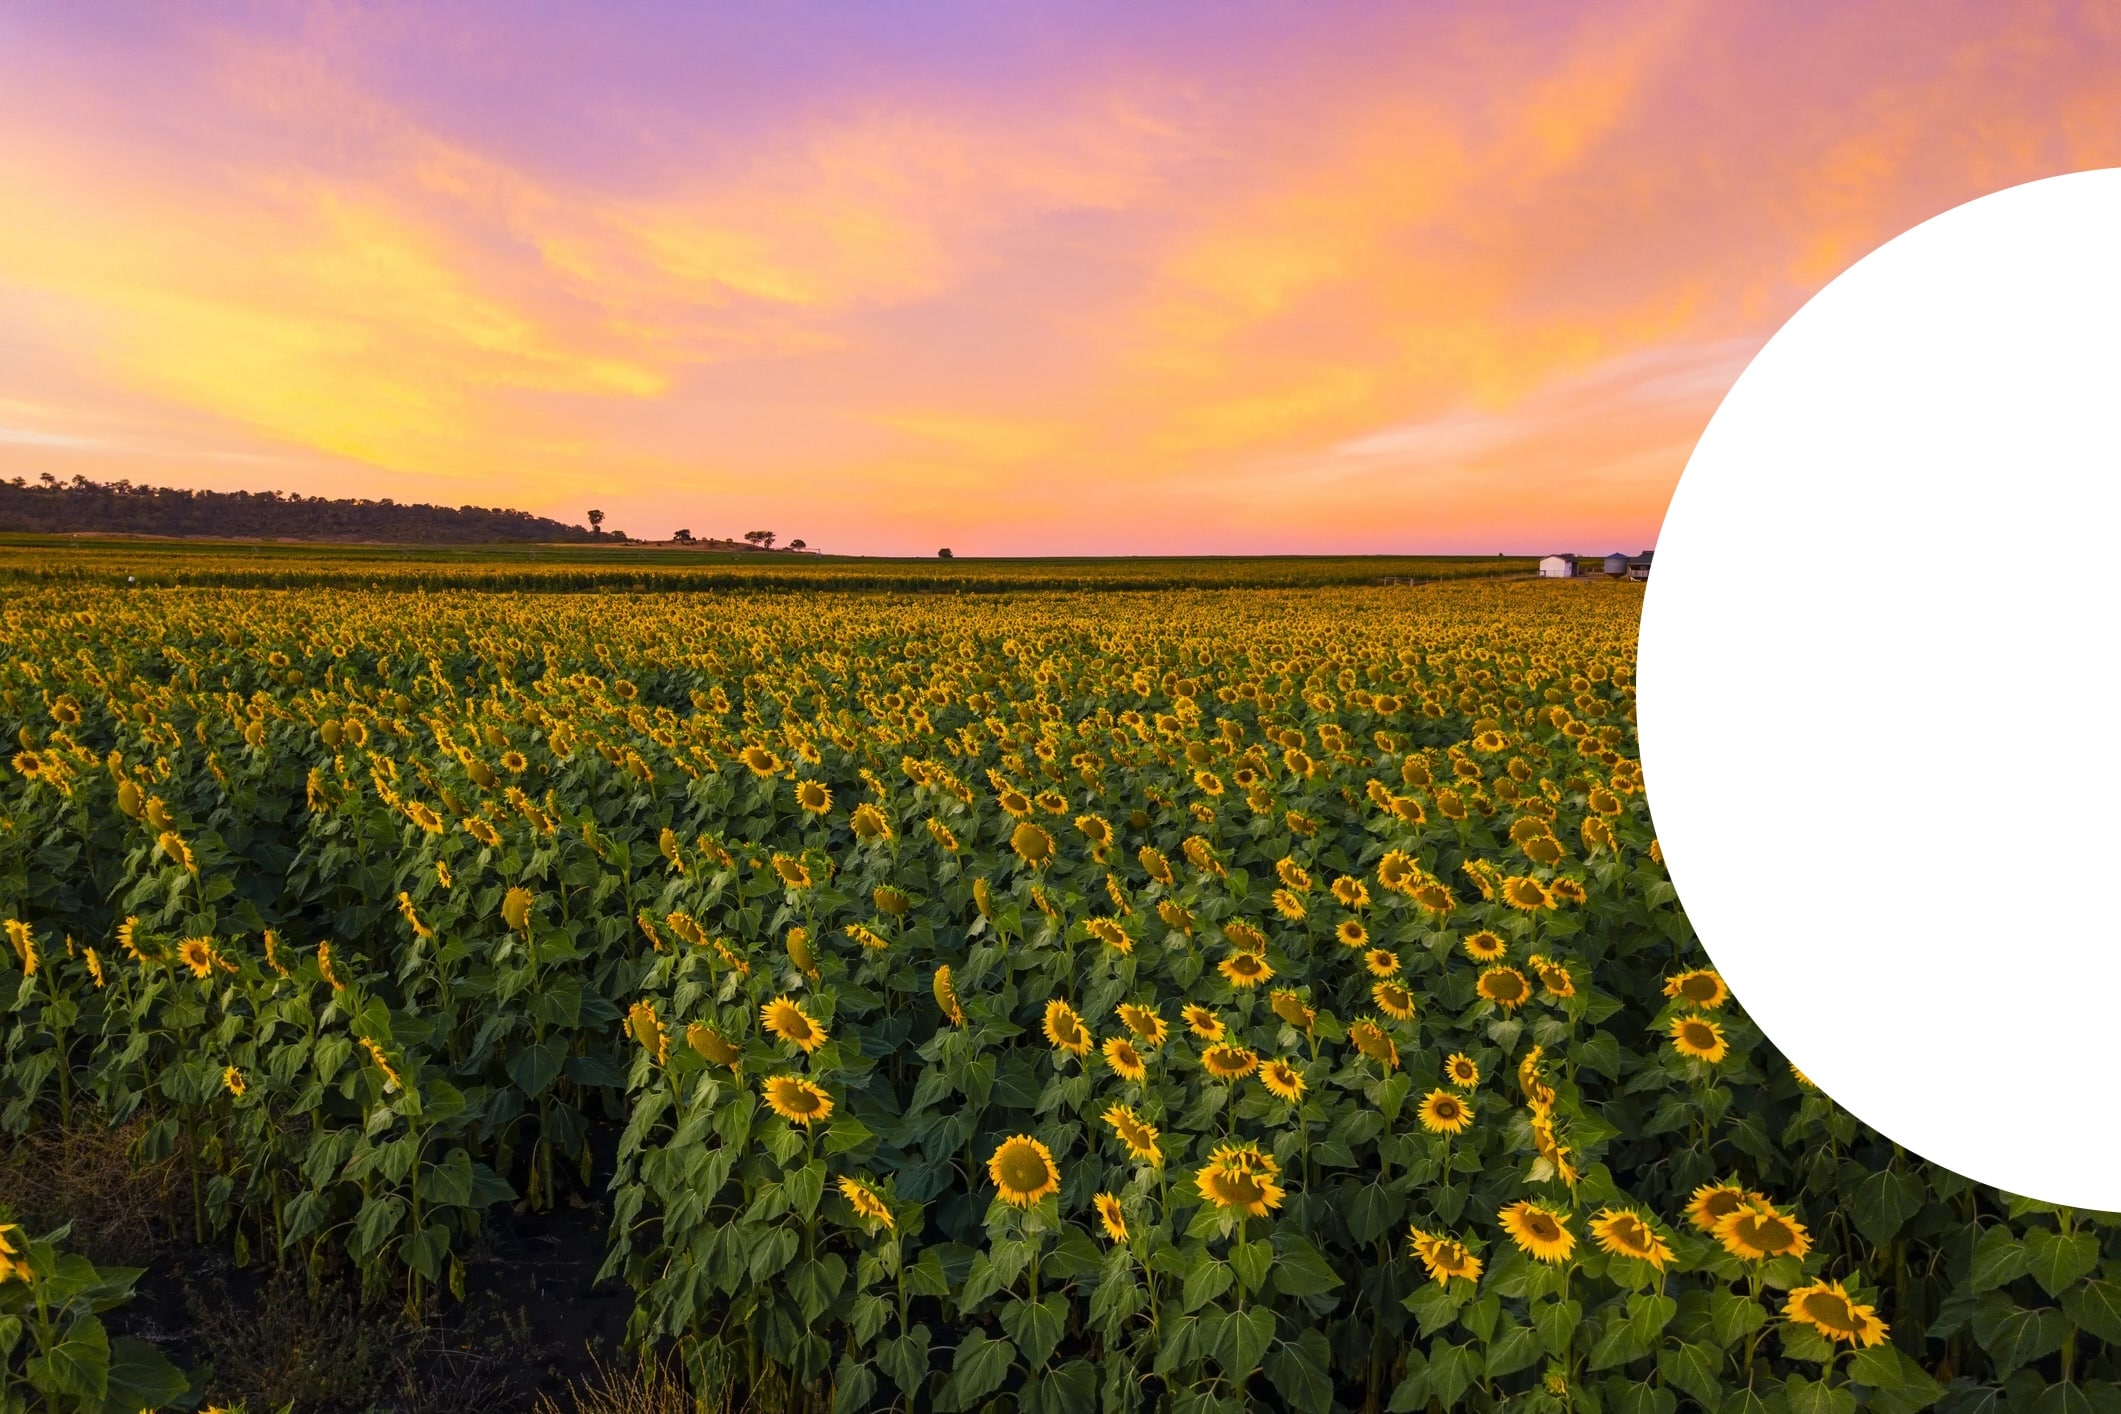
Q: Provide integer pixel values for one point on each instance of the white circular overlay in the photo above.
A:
(1878, 662)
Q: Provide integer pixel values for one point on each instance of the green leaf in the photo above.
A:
(2096, 1307)
(1645, 1399)
(1204, 1283)
(1880, 1207)
(1999, 1257)
(1035, 1327)
(1733, 1317)
(1250, 1263)
(141, 1377)
(375, 1223)
(1697, 1369)
(76, 1364)
(905, 1359)
(981, 1365)
(1300, 1371)
(1514, 1348)
(805, 1186)
(1816, 1397)
(1240, 1339)
(448, 1183)
(2015, 1336)
(853, 1387)
(2056, 1261)
(2062, 1399)
(815, 1281)
(1300, 1269)
(773, 1251)
(1370, 1212)
(1648, 1315)
(1886, 1367)
(1557, 1323)
(1433, 1303)
(1452, 1370)
(428, 1250)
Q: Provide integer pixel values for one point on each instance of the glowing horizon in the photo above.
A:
(1355, 278)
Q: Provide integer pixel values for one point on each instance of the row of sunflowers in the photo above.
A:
(1192, 1001)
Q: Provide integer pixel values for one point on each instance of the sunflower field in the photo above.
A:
(1060, 1000)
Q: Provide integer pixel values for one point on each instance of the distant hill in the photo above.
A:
(82, 506)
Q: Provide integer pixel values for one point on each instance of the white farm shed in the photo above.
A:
(1557, 567)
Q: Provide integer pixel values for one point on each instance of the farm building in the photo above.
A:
(1557, 566)
(1616, 564)
(1639, 566)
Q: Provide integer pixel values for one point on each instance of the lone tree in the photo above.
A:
(943, 554)
(596, 522)
(683, 537)
(795, 545)
(761, 538)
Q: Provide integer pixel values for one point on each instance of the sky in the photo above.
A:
(1016, 278)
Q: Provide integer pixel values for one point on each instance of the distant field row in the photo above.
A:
(52, 559)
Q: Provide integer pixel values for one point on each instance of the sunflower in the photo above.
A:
(1827, 1308)
(1554, 978)
(1369, 1038)
(946, 996)
(514, 763)
(647, 1029)
(1148, 1027)
(1202, 1022)
(1024, 1171)
(1756, 1231)
(1126, 1062)
(482, 831)
(1484, 946)
(867, 938)
(1139, 1136)
(1351, 933)
(1096, 829)
(760, 761)
(1713, 1202)
(198, 954)
(1291, 1008)
(1525, 894)
(1229, 1062)
(177, 851)
(869, 824)
(1382, 962)
(1032, 844)
(25, 943)
(1568, 891)
(1433, 897)
(1282, 1080)
(814, 796)
(1351, 891)
(1111, 1216)
(792, 1024)
(1463, 1070)
(1239, 1178)
(1393, 1000)
(1699, 1038)
(1245, 970)
(793, 872)
(940, 833)
(232, 1080)
(1627, 1234)
(1065, 1029)
(868, 1204)
(1803, 1079)
(1444, 1113)
(1157, 866)
(797, 1100)
(1015, 803)
(1396, 871)
(1504, 986)
(1445, 1259)
(1541, 1233)
(709, 1043)
(1702, 987)
(1243, 937)
(95, 965)
(1109, 932)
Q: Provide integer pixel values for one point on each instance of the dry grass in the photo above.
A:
(90, 1176)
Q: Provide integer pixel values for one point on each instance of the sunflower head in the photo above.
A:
(1202, 1022)
(1628, 1234)
(868, 1204)
(1032, 844)
(797, 1100)
(1126, 1062)
(709, 1043)
(1463, 1070)
(1484, 946)
(1065, 1029)
(1370, 1039)
(1702, 988)
(1758, 1231)
(1228, 1062)
(1445, 1113)
(1393, 1000)
(1541, 1233)
(1245, 970)
(1138, 1136)
(792, 1024)
(1504, 986)
(814, 796)
(1240, 1180)
(1351, 933)
(1111, 1216)
(1381, 962)
(1828, 1308)
(1291, 1008)
(1148, 1027)
(1698, 1038)
(1283, 1081)
(1024, 1171)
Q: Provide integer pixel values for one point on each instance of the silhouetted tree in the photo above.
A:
(53, 507)
(796, 545)
(596, 522)
(943, 554)
(683, 537)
